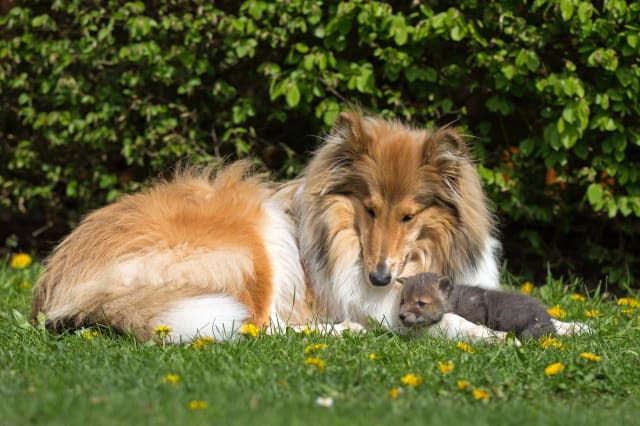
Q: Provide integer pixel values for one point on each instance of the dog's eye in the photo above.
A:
(371, 213)
(421, 304)
(407, 218)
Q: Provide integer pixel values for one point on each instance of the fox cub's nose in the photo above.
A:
(403, 316)
(381, 276)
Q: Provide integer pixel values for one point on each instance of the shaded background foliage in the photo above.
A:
(99, 97)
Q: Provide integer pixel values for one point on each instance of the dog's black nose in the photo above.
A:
(381, 276)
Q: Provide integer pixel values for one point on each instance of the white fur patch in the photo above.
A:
(217, 316)
(453, 326)
(486, 273)
(288, 280)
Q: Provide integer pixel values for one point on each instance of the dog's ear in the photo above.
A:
(350, 126)
(445, 285)
(444, 149)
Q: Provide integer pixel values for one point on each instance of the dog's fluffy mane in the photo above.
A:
(364, 154)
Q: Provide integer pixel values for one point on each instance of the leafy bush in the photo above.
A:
(97, 99)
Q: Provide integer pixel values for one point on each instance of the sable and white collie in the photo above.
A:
(206, 252)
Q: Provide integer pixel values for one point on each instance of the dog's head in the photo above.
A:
(403, 184)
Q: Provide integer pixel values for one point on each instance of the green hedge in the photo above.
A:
(100, 96)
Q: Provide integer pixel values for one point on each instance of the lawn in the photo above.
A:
(96, 377)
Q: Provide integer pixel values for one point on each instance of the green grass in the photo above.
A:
(109, 379)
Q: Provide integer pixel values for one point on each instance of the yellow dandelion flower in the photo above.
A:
(197, 404)
(411, 380)
(89, 334)
(249, 330)
(480, 394)
(578, 297)
(171, 379)
(464, 347)
(590, 356)
(446, 367)
(463, 384)
(316, 362)
(162, 330)
(373, 356)
(20, 261)
(26, 284)
(202, 342)
(306, 331)
(629, 301)
(556, 312)
(526, 288)
(628, 311)
(394, 393)
(553, 369)
(592, 313)
(550, 342)
(314, 348)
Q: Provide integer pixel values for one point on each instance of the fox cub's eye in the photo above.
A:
(421, 303)
(371, 213)
(407, 218)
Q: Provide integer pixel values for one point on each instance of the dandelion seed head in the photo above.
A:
(324, 401)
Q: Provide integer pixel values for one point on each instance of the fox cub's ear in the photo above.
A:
(445, 285)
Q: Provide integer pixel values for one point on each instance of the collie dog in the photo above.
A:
(206, 252)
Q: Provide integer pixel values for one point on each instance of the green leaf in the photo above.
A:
(508, 70)
(594, 194)
(457, 33)
(566, 9)
(293, 94)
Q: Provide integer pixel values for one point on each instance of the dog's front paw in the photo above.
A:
(567, 328)
(348, 325)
